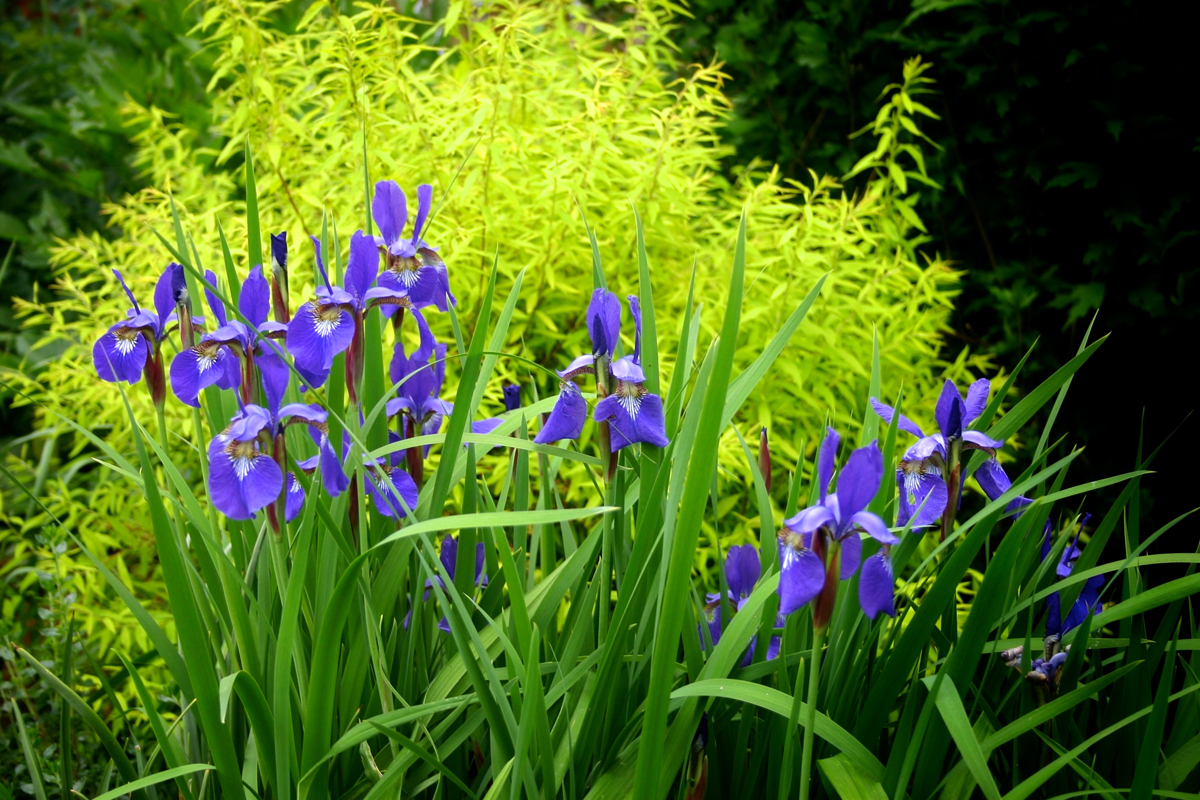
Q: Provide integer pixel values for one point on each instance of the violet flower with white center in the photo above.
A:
(324, 327)
(930, 471)
(210, 361)
(821, 544)
(743, 567)
(634, 414)
(244, 476)
(235, 347)
(412, 266)
(133, 347)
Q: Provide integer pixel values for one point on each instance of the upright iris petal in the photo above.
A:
(742, 568)
(604, 323)
(512, 397)
(412, 265)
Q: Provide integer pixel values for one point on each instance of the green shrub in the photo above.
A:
(542, 112)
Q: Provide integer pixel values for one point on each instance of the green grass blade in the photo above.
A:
(950, 705)
(253, 229)
(650, 767)
(151, 780)
(646, 298)
(257, 712)
(169, 747)
(848, 781)
(115, 751)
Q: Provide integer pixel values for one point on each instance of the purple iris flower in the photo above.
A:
(324, 327)
(228, 355)
(634, 414)
(244, 476)
(929, 471)
(420, 378)
(512, 401)
(131, 347)
(604, 323)
(1089, 596)
(570, 410)
(743, 566)
(449, 559)
(807, 539)
(412, 266)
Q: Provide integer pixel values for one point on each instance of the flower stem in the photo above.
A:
(810, 713)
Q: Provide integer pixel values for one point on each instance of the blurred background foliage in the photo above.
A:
(1039, 205)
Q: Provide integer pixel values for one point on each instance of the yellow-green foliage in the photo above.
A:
(546, 111)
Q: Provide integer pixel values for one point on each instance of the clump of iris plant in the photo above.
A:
(821, 544)
(1045, 673)
(930, 473)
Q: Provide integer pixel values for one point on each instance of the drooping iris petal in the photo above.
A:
(851, 555)
(362, 267)
(254, 301)
(801, 576)
(120, 354)
(315, 335)
(583, 365)
(905, 424)
(275, 376)
(388, 487)
(742, 570)
(923, 494)
(1088, 599)
(432, 284)
(994, 481)
(199, 367)
(633, 420)
(826, 460)
(389, 209)
(977, 397)
(876, 586)
(858, 481)
(295, 498)
(333, 476)
(982, 440)
(242, 479)
(1054, 625)
(604, 322)
(567, 417)
(874, 527)
(486, 426)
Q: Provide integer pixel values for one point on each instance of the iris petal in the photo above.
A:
(566, 419)
(876, 586)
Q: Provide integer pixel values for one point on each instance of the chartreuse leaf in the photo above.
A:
(650, 766)
(488, 518)
(848, 780)
(150, 780)
(85, 712)
(949, 704)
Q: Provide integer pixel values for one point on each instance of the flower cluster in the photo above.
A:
(256, 356)
(631, 414)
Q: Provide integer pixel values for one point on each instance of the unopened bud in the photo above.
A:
(764, 459)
